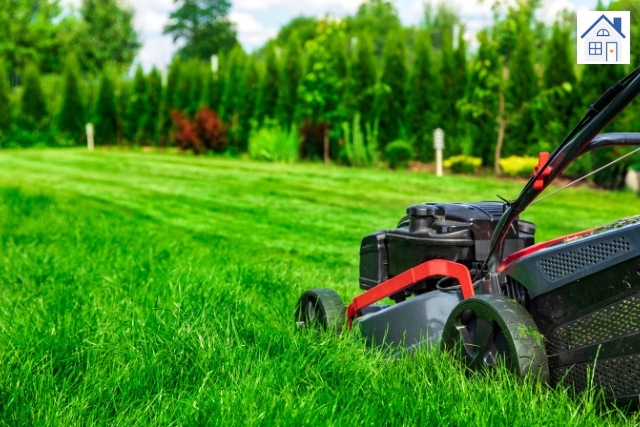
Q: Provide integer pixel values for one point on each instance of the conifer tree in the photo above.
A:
(250, 88)
(186, 80)
(289, 80)
(136, 108)
(447, 104)
(6, 113)
(269, 85)
(362, 82)
(523, 87)
(232, 96)
(71, 117)
(392, 101)
(151, 125)
(33, 108)
(197, 82)
(105, 117)
(422, 96)
(169, 101)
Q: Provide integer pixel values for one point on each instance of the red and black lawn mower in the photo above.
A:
(478, 282)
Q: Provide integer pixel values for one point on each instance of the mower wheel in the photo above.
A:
(321, 308)
(485, 329)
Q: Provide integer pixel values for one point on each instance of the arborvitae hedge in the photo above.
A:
(289, 80)
(6, 111)
(71, 117)
(154, 103)
(33, 108)
(234, 81)
(362, 82)
(136, 110)
(105, 114)
(269, 86)
(422, 97)
(251, 87)
(393, 102)
(169, 101)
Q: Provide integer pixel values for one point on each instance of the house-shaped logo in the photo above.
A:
(603, 38)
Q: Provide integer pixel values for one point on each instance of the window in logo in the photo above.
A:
(595, 48)
(603, 33)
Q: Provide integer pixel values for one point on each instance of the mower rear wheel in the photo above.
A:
(487, 329)
(321, 308)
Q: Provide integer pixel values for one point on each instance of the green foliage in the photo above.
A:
(301, 28)
(232, 96)
(377, 19)
(358, 151)
(463, 164)
(274, 143)
(399, 153)
(169, 101)
(363, 79)
(6, 108)
(105, 117)
(137, 107)
(392, 102)
(33, 108)
(151, 121)
(71, 116)
(203, 28)
(251, 88)
(269, 85)
(290, 77)
(521, 166)
(422, 98)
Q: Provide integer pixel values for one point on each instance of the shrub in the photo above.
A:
(463, 164)
(399, 153)
(206, 132)
(518, 165)
(71, 118)
(358, 152)
(33, 108)
(275, 144)
(105, 115)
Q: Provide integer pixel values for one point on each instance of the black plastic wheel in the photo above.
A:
(321, 308)
(486, 329)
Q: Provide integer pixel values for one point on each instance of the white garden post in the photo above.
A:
(214, 63)
(438, 144)
(89, 136)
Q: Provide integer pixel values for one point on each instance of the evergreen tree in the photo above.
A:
(71, 117)
(6, 113)
(523, 86)
(151, 125)
(289, 80)
(195, 89)
(186, 80)
(250, 86)
(136, 108)
(234, 73)
(169, 101)
(268, 96)
(392, 101)
(422, 96)
(362, 82)
(105, 115)
(33, 108)
(447, 104)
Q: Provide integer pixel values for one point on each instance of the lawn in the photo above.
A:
(154, 289)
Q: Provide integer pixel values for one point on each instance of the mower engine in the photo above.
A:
(458, 232)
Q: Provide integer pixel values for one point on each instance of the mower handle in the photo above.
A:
(585, 141)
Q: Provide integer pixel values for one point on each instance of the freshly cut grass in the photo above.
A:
(159, 290)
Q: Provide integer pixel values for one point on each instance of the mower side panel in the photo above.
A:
(563, 263)
(412, 323)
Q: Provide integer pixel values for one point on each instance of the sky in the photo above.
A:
(258, 20)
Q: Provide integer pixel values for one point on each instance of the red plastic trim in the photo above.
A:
(538, 184)
(534, 248)
(435, 267)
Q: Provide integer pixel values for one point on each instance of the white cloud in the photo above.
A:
(251, 33)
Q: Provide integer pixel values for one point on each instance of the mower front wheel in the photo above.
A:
(487, 329)
(321, 308)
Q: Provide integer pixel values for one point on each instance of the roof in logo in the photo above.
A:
(616, 25)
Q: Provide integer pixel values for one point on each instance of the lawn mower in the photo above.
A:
(469, 276)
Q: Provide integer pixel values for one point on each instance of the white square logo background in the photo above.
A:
(598, 44)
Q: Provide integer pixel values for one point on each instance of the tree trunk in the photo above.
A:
(501, 121)
(326, 145)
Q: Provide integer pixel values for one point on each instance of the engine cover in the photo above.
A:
(459, 232)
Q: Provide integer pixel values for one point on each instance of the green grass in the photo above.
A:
(149, 289)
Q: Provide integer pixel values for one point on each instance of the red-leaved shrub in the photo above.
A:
(205, 132)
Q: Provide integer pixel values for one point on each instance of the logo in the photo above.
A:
(604, 37)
